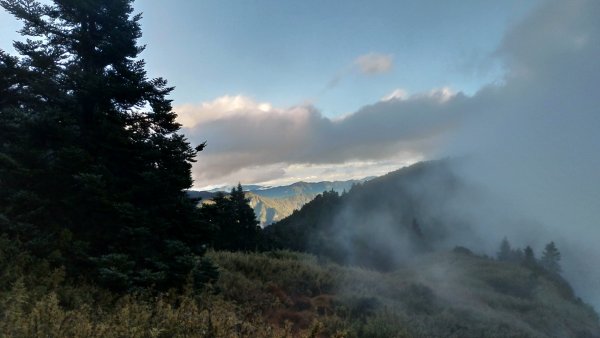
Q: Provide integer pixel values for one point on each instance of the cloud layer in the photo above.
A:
(243, 134)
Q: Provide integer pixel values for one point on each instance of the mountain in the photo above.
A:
(269, 210)
(379, 222)
(227, 188)
(203, 195)
(400, 228)
(306, 188)
(272, 204)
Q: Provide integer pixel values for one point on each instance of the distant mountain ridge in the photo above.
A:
(272, 204)
(269, 210)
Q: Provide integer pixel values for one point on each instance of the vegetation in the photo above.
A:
(269, 210)
(549, 262)
(373, 221)
(92, 166)
(550, 258)
(233, 221)
(286, 294)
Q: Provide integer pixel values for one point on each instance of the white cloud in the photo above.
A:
(223, 107)
(396, 94)
(442, 94)
(374, 63)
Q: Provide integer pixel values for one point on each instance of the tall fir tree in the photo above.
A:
(550, 258)
(505, 251)
(90, 146)
(245, 220)
(529, 257)
(233, 221)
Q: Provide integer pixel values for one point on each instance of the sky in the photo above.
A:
(327, 90)
(297, 52)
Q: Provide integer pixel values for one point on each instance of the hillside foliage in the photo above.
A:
(286, 294)
(92, 165)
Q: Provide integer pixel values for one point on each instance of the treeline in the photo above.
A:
(232, 221)
(549, 261)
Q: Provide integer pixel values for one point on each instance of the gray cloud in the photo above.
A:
(534, 140)
(367, 65)
(374, 63)
(242, 136)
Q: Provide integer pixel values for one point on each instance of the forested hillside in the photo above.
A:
(378, 223)
(269, 210)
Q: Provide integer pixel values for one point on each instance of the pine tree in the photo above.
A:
(505, 252)
(91, 144)
(550, 258)
(529, 257)
(234, 221)
(245, 220)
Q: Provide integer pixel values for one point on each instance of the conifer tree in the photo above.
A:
(245, 220)
(550, 258)
(529, 257)
(234, 221)
(90, 145)
(505, 252)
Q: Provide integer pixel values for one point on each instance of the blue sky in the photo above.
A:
(287, 52)
(291, 52)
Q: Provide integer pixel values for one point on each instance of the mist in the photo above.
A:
(534, 140)
(528, 146)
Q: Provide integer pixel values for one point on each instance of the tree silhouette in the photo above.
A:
(550, 258)
(90, 145)
(505, 252)
(234, 221)
(529, 257)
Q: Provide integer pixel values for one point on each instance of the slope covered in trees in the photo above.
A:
(378, 223)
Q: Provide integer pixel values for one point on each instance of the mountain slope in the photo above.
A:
(380, 222)
(307, 188)
(269, 210)
(443, 294)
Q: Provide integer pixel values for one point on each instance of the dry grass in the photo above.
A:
(285, 294)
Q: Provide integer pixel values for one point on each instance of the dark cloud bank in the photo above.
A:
(533, 140)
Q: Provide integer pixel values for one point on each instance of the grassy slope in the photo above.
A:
(444, 294)
(284, 294)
